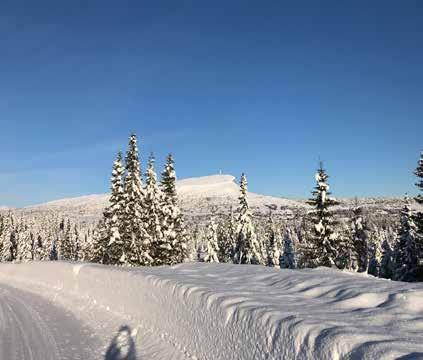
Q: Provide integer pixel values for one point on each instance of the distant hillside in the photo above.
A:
(216, 193)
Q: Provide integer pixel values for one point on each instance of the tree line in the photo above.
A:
(393, 253)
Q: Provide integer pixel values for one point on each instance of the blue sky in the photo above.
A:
(265, 87)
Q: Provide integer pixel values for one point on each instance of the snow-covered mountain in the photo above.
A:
(198, 196)
(215, 193)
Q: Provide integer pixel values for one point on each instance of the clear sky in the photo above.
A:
(265, 87)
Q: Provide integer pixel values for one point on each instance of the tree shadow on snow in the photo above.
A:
(122, 346)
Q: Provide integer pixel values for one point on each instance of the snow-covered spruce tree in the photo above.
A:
(8, 238)
(115, 216)
(153, 211)
(77, 250)
(2, 231)
(66, 246)
(247, 247)
(24, 241)
(288, 258)
(135, 237)
(54, 254)
(212, 247)
(418, 218)
(386, 269)
(323, 243)
(198, 235)
(172, 249)
(374, 252)
(305, 257)
(273, 243)
(226, 235)
(347, 255)
(97, 250)
(359, 233)
(405, 254)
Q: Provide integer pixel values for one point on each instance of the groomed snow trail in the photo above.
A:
(32, 327)
(221, 311)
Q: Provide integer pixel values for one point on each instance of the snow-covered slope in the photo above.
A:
(197, 197)
(222, 311)
(219, 193)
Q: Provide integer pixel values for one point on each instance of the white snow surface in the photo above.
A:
(211, 311)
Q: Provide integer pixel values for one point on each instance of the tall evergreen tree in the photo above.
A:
(419, 183)
(53, 254)
(153, 211)
(405, 254)
(323, 244)
(136, 241)
(173, 249)
(24, 241)
(359, 234)
(97, 250)
(2, 232)
(115, 217)
(65, 251)
(247, 247)
(226, 236)
(9, 241)
(418, 218)
(273, 243)
(288, 258)
(77, 250)
(386, 262)
(212, 247)
(375, 253)
(346, 254)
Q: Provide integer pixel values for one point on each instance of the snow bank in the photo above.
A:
(222, 311)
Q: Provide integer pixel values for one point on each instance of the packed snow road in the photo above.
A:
(32, 327)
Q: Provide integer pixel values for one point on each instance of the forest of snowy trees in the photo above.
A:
(144, 225)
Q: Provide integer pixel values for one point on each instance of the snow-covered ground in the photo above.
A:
(207, 311)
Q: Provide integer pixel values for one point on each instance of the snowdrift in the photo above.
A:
(223, 311)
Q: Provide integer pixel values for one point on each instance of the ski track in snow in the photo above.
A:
(31, 327)
(54, 326)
